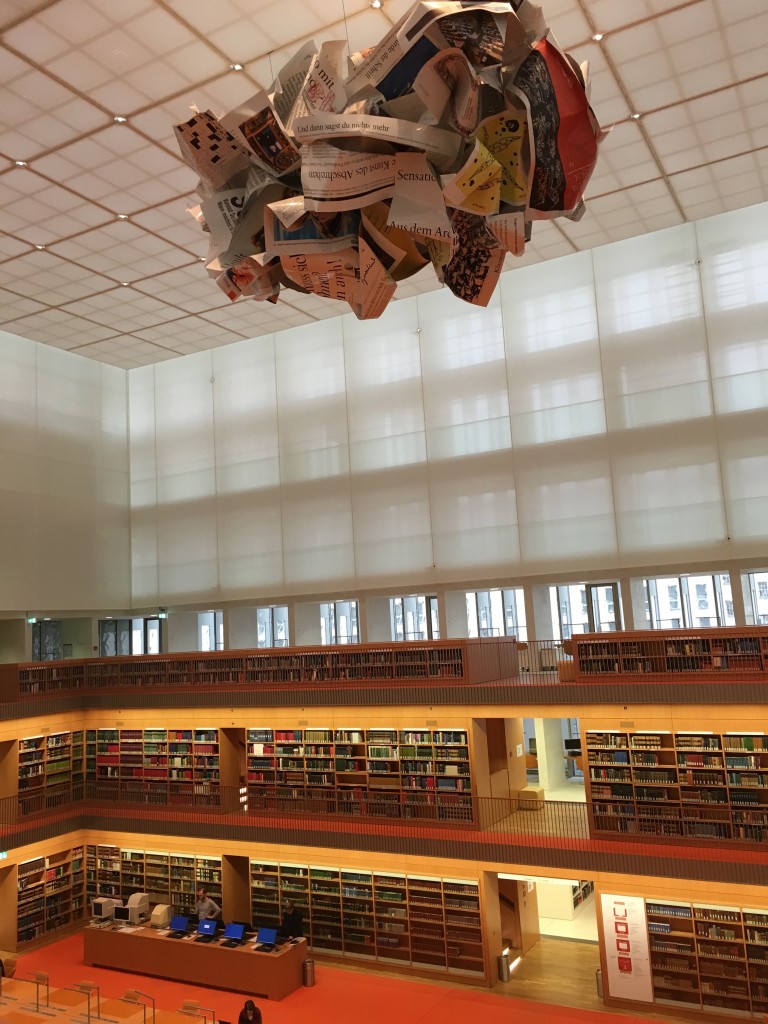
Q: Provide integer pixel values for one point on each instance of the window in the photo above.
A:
(415, 617)
(210, 631)
(758, 597)
(667, 597)
(272, 626)
(124, 637)
(339, 622)
(496, 613)
(584, 608)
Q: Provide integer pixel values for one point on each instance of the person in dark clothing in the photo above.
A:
(250, 1013)
(292, 924)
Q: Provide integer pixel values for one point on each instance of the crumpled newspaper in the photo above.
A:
(441, 144)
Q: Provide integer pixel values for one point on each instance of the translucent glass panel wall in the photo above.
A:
(608, 409)
(64, 507)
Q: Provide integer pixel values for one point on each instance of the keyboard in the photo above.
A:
(204, 938)
(265, 947)
(230, 943)
(176, 935)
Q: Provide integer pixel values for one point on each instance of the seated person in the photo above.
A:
(250, 1013)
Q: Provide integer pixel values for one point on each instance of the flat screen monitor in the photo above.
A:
(267, 935)
(573, 744)
(179, 923)
(123, 914)
(207, 927)
(234, 931)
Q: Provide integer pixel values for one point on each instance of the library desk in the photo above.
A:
(117, 1009)
(171, 1017)
(146, 951)
(66, 997)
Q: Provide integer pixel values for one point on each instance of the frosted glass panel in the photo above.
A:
(474, 514)
(553, 357)
(64, 513)
(184, 429)
(565, 504)
(744, 453)
(385, 406)
(569, 426)
(668, 495)
(392, 524)
(463, 376)
(245, 404)
(312, 404)
(653, 342)
(317, 534)
(734, 271)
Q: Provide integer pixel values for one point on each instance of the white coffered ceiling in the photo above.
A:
(132, 291)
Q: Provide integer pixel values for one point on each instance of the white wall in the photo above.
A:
(608, 409)
(64, 494)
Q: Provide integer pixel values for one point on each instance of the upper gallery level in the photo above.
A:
(710, 666)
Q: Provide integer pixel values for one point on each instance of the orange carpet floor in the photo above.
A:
(338, 997)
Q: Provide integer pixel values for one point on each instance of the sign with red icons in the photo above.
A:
(627, 956)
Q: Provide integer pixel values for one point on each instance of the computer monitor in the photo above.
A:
(179, 923)
(267, 935)
(207, 927)
(573, 744)
(234, 931)
(104, 906)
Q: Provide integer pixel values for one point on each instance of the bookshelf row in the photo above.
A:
(402, 919)
(48, 766)
(166, 877)
(374, 759)
(50, 894)
(166, 755)
(178, 764)
(709, 958)
(477, 660)
(735, 652)
(697, 785)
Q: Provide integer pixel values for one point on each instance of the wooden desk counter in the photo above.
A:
(146, 951)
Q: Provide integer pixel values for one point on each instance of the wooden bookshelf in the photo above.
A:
(50, 765)
(429, 661)
(405, 920)
(166, 877)
(185, 762)
(51, 894)
(688, 785)
(709, 958)
(356, 763)
(729, 652)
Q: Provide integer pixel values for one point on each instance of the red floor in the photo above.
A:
(339, 996)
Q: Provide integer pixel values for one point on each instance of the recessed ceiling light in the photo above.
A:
(119, 119)
(636, 117)
(236, 67)
(202, 259)
(122, 216)
(597, 36)
(21, 163)
(40, 247)
(376, 4)
(125, 284)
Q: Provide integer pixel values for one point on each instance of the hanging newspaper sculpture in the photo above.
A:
(441, 145)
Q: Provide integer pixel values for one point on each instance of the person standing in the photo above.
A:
(292, 924)
(250, 1013)
(205, 907)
